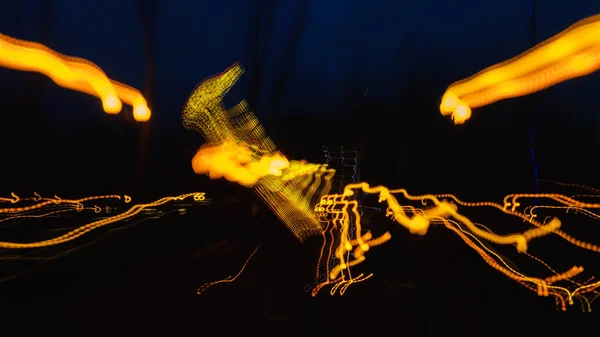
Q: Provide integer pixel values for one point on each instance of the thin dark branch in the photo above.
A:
(289, 55)
(147, 11)
(261, 18)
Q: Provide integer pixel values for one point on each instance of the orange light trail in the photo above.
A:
(239, 150)
(48, 206)
(72, 73)
(334, 210)
(572, 53)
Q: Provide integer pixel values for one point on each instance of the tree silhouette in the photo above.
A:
(36, 104)
(298, 25)
(147, 11)
(260, 34)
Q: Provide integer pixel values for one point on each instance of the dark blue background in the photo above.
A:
(364, 74)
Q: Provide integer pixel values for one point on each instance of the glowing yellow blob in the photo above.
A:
(449, 103)
(112, 105)
(462, 113)
(235, 163)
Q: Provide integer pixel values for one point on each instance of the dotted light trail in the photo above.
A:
(298, 192)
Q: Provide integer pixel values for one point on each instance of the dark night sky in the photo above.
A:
(352, 73)
(382, 59)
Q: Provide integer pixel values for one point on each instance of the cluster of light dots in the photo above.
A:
(238, 149)
(334, 210)
(342, 160)
(72, 73)
(345, 159)
(241, 149)
(572, 53)
(84, 76)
